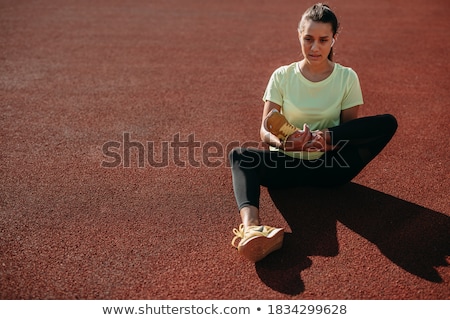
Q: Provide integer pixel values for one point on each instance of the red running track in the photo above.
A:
(85, 84)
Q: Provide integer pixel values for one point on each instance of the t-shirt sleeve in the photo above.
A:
(353, 96)
(273, 91)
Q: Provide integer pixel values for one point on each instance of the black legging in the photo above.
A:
(360, 141)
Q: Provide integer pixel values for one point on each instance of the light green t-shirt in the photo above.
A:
(318, 104)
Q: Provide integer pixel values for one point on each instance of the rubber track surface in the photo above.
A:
(131, 84)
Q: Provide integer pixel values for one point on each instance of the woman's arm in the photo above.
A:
(266, 136)
(346, 115)
(349, 114)
(321, 140)
(300, 140)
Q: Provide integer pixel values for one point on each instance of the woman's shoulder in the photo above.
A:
(286, 69)
(344, 70)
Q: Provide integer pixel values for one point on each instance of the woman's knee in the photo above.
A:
(238, 154)
(245, 157)
(235, 154)
(390, 123)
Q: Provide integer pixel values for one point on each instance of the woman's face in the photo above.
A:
(316, 40)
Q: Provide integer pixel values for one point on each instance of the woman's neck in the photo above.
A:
(317, 72)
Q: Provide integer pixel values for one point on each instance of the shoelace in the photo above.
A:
(287, 129)
(238, 234)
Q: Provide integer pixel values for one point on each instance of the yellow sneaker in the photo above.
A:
(257, 241)
(277, 124)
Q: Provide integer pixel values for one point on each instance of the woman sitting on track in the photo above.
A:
(333, 145)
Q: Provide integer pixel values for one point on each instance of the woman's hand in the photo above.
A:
(266, 135)
(301, 140)
(306, 140)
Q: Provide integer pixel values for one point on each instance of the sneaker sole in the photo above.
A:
(257, 248)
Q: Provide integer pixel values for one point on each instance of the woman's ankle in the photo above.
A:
(250, 216)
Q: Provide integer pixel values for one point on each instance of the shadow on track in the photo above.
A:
(413, 237)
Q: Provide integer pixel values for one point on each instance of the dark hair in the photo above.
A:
(321, 13)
